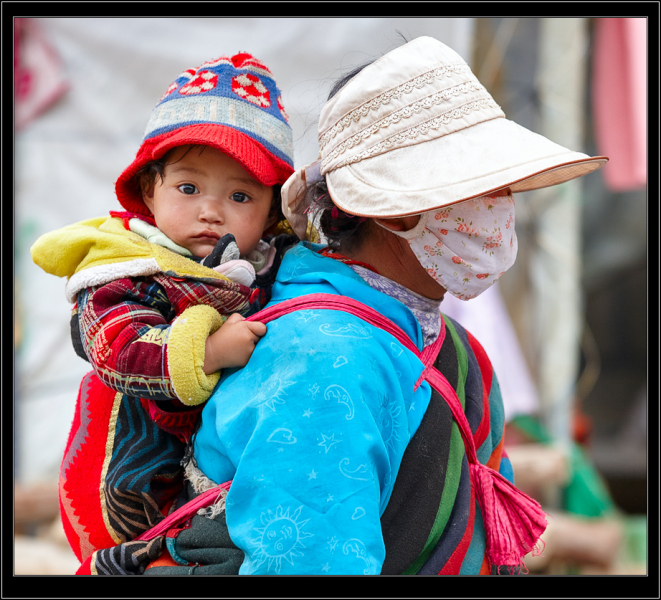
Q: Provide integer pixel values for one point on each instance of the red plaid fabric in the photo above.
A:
(125, 326)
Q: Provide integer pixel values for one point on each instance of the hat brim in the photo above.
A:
(251, 155)
(468, 163)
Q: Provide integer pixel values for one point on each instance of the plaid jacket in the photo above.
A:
(127, 326)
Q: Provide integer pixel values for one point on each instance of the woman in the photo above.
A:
(341, 460)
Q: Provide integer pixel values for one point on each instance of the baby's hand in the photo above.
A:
(232, 344)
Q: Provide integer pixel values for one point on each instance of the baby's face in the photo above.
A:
(206, 194)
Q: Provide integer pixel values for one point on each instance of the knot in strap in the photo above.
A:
(513, 521)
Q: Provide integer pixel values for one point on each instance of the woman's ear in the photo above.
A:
(399, 223)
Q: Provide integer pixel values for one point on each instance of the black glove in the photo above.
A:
(225, 250)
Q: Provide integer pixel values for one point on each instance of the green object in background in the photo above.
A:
(635, 539)
(586, 494)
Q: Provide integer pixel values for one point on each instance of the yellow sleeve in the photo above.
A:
(186, 348)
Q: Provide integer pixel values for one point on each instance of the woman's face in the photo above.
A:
(421, 282)
(398, 253)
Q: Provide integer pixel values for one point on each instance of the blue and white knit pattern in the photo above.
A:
(245, 98)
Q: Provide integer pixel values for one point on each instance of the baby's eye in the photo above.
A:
(188, 189)
(240, 197)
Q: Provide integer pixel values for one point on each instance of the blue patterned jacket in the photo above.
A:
(318, 434)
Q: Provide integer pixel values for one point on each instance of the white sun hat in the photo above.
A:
(415, 131)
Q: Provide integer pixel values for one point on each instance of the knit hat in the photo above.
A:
(231, 104)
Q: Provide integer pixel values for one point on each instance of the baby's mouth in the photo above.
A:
(207, 235)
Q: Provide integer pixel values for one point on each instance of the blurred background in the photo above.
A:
(566, 327)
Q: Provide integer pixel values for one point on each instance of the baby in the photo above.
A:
(201, 196)
(158, 291)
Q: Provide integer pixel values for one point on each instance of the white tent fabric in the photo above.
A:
(67, 159)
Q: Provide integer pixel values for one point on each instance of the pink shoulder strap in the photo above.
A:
(334, 302)
(358, 309)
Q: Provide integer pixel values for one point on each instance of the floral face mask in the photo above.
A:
(466, 247)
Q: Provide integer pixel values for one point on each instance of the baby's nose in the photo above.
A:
(211, 210)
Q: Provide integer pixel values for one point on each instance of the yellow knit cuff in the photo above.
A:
(186, 348)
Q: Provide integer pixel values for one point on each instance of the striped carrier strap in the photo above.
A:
(513, 521)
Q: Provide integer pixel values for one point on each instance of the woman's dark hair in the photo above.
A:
(337, 226)
(147, 175)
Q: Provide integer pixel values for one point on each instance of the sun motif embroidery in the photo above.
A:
(273, 393)
(280, 538)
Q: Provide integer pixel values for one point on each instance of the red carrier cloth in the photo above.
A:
(80, 494)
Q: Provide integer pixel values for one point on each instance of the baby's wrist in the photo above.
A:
(212, 362)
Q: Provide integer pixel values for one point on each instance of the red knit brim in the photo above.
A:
(265, 167)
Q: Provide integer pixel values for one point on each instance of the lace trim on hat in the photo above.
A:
(399, 138)
(396, 93)
(407, 112)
